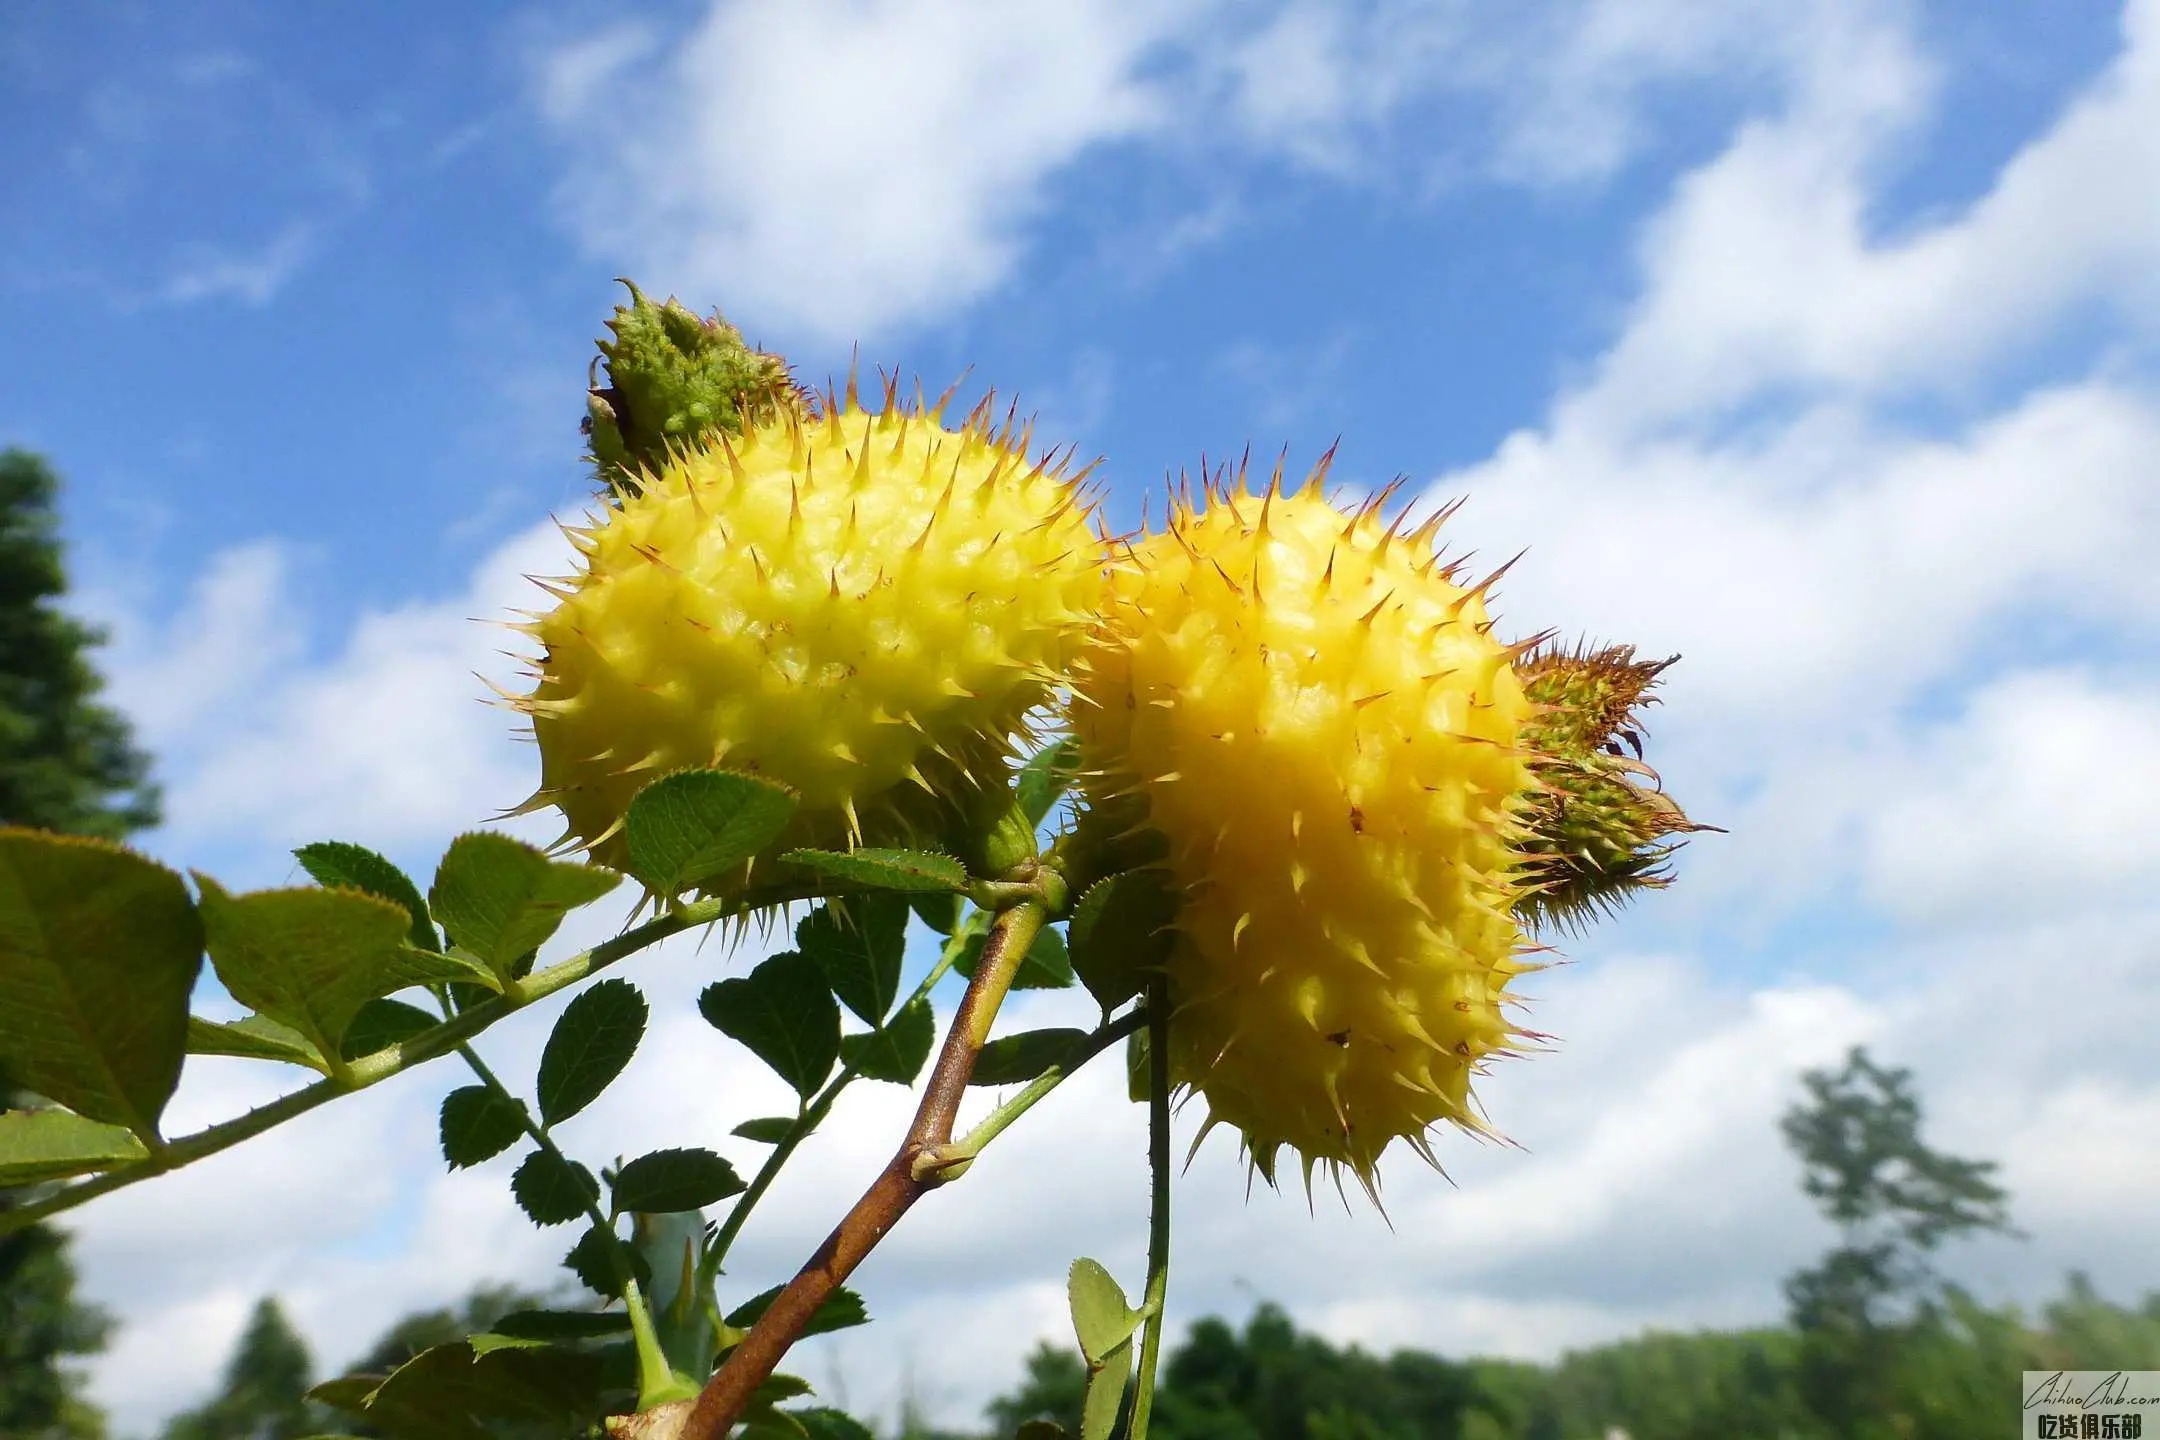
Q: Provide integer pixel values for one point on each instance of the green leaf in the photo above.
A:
(310, 958)
(667, 1181)
(842, 1310)
(903, 870)
(941, 912)
(1046, 966)
(355, 867)
(1106, 1394)
(592, 1261)
(1102, 1319)
(858, 944)
(1016, 1059)
(347, 1392)
(478, 1124)
(551, 1190)
(1121, 934)
(699, 824)
(501, 899)
(766, 1129)
(895, 1051)
(563, 1324)
(383, 1023)
(449, 1393)
(487, 1342)
(256, 1037)
(589, 1046)
(1048, 774)
(784, 1014)
(99, 949)
(822, 1423)
(40, 1145)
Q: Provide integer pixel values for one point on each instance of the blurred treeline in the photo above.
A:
(1951, 1371)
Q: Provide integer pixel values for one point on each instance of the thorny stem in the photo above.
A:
(657, 1380)
(1158, 1250)
(811, 1116)
(373, 1069)
(903, 1181)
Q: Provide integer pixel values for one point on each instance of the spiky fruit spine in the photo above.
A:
(674, 381)
(1321, 725)
(862, 606)
(1597, 833)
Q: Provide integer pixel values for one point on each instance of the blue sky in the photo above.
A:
(1815, 343)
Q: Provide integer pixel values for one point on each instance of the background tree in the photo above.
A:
(67, 763)
(264, 1396)
(1894, 1200)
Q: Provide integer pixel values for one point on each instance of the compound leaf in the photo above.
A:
(1101, 1318)
(1048, 774)
(451, 1393)
(858, 945)
(1121, 933)
(592, 1260)
(478, 1124)
(311, 958)
(1015, 1059)
(589, 1046)
(666, 1182)
(1045, 967)
(700, 824)
(355, 867)
(783, 1012)
(500, 899)
(842, 1310)
(902, 870)
(896, 1050)
(256, 1037)
(41, 1145)
(551, 1190)
(379, 1024)
(99, 950)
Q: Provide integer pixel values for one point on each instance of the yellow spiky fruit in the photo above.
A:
(1322, 726)
(862, 606)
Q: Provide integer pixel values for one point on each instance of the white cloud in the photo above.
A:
(1769, 269)
(2042, 791)
(846, 166)
(251, 276)
(386, 740)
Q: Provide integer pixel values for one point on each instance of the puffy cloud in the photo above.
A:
(384, 740)
(841, 166)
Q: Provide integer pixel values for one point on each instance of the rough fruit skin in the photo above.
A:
(1325, 732)
(855, 604)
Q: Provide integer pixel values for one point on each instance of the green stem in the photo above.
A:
(373, 1069)
(807, 1120)
(656, 1379)
(1158, 1258)
(953, 1159)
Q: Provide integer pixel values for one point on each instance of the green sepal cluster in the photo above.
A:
(673, 380)
(1600, 826)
